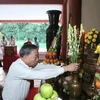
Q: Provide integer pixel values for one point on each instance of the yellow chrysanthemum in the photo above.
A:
(90, 37)
(93, 40)
(86, 35)
(97, 49)
(93, 29)
(88, 42)
(95, 36)
(90, 33)
(96, 32)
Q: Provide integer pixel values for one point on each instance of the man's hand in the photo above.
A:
(71, 67)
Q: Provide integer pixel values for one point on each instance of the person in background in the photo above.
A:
(12, 41)
(36, 42)
(26, 68)
(4, 41)
(1, 54)
(28, 41)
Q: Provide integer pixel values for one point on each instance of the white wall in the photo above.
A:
(26, 12)
(91, 14)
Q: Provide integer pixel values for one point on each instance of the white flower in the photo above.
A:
(73, 43)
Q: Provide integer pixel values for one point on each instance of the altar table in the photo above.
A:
(10, 55)
(33, 91)
(10, 50)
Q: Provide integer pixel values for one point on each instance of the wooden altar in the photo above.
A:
(10, 50)
(10, 55)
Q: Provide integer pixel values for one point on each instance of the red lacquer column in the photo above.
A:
(74, 19)
(75, 12)
(64, 30)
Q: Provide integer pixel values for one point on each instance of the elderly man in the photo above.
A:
(26, 68)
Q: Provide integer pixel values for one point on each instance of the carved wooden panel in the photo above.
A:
(10, 50)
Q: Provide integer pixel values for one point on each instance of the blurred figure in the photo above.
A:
(12, 41)
(3, 41)
(36, 42)
(28, 41)
(1, 53)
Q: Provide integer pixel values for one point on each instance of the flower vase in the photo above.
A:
(75, 86)
(52, 29)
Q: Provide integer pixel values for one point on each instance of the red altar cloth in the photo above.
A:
(7, 61)
(33, 91)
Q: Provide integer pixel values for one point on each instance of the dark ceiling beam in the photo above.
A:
(31, 1)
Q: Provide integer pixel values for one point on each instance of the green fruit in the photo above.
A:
(97, 75)
(50, 99)
(46, 90)
(38, 97)
(55, 95)
(57, 63)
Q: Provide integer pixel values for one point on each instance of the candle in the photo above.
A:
(83, 37)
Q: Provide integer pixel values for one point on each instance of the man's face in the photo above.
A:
(32, 59)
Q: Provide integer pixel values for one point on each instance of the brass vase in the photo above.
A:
(75, 87)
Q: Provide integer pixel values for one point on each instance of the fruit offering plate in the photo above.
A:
(57, 63)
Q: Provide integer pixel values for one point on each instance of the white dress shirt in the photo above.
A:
(36, 43)
(4, 42)
(17, 85)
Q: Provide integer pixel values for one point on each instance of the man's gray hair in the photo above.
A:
(26, 49)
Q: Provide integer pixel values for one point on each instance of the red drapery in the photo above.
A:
(75, 12)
